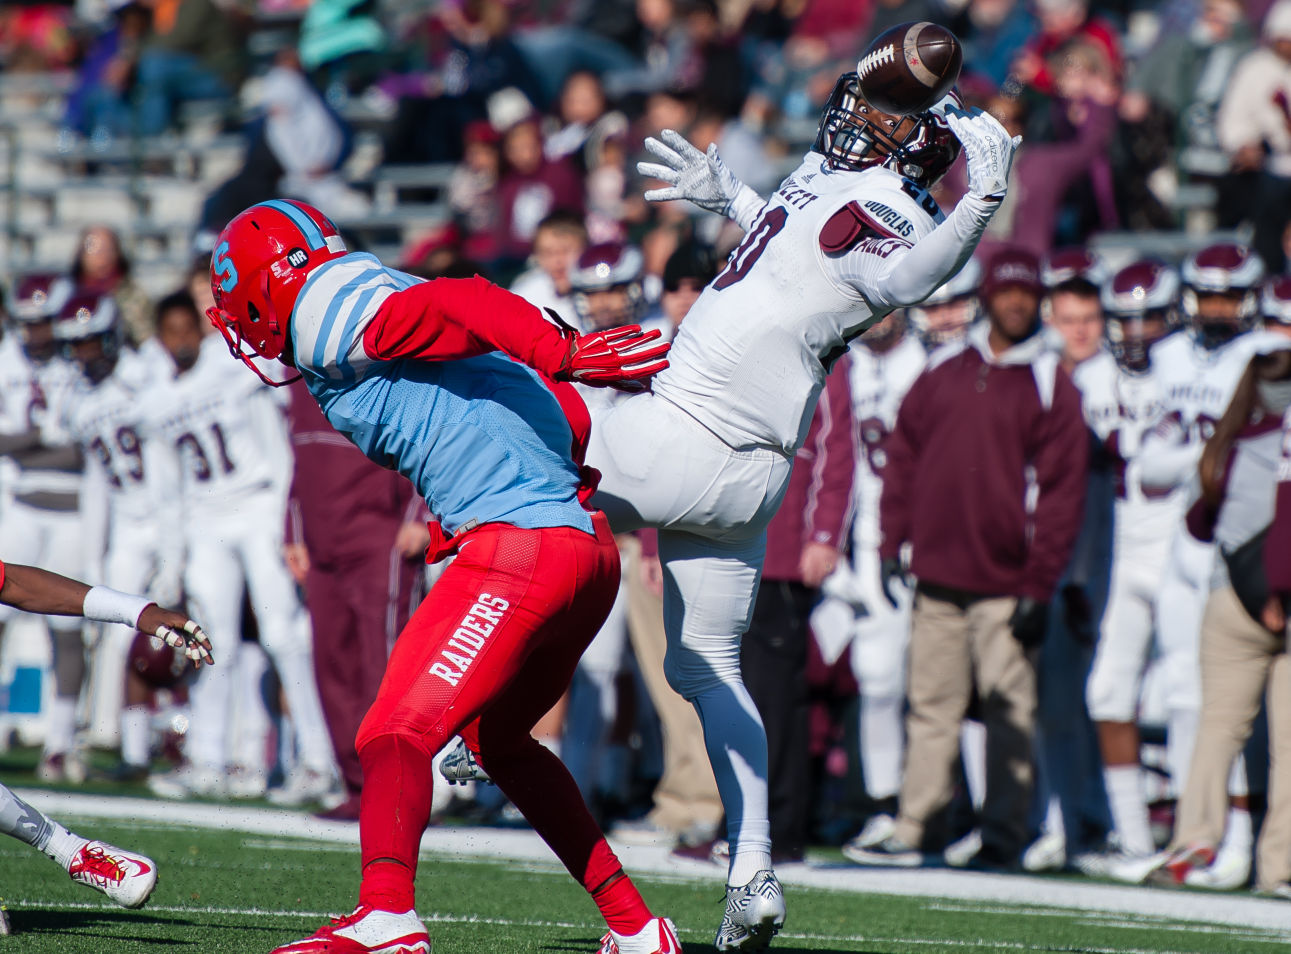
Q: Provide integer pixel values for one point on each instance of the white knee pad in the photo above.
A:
(1112, 692)
(879, 655)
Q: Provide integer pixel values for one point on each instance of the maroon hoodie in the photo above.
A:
(817, 505)
(986, 470)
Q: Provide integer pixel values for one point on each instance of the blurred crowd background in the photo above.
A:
(501, 137)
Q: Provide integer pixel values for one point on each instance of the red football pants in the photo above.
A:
(487, 653)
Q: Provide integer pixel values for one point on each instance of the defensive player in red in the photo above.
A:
(124, 876)
(410, 371)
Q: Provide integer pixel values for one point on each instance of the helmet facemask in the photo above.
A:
(854, 135)
(1129, 338)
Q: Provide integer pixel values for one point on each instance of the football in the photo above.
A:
(909, 67)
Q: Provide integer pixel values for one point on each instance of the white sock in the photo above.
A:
(882, 741)
(1129, 812)
(63, 845)
(972, 746)
(1238, 836)
(1181, 737)
(1053, 823)
(135, 725)
(60, 731)
(737, 748)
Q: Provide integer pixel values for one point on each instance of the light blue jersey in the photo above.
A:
(480, 438)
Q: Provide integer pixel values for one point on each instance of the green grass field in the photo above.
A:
(236, 893)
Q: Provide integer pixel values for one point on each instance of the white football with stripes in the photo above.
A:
(910, 67)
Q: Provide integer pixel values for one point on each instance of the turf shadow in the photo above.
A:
(92, 923)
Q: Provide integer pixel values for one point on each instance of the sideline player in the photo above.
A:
(851, 235)
(409, 371)
(125, 877)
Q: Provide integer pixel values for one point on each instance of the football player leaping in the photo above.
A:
(125, 877)
(851, 235)
(409, 371)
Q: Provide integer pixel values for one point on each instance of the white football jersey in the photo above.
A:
(879, 382)
(1121, 408)
(1195, 385)
(750, 359)
(106, 420)
(223, 429)
(31, 397)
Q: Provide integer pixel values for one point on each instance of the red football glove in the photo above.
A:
(621, 358)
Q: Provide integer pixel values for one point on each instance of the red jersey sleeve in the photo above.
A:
(451, 318)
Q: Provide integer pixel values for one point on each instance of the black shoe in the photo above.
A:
(992, 859)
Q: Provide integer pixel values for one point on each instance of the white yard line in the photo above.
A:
(31, 904)
(525, 846)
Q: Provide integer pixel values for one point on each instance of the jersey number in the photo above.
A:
(127, 442)
(201, 463)
(743, 258)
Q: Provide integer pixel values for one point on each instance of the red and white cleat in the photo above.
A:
(659, 936)
(366, 931)
(126, 878)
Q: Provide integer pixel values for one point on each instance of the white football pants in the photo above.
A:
(661, 468)
(226, 555)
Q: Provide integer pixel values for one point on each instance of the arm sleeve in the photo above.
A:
(1061, 470)
(829, 490)
(902, 448)
(891, 274)
(452, 318)
(746, 207)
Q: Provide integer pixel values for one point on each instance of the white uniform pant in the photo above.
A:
(129, 565)
(661, 468)
(879, 639)
(49, 539)
(225, 555)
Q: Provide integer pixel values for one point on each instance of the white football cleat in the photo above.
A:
(126, 878)
(189, 781)
(1136, 869)
(458, 766)
(305, 786)
(754, 914)
(959, 854)
(366, 931)
(659, 936)
(1046, 853)
(1230, 871)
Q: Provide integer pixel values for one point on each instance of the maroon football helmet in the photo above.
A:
(1073, 265)
(610, 266)
(1137, 294)
(158, 664)
(1276, 301)
(1225, 270)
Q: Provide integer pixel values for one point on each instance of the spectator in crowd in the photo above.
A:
(804, 541)
(1061, 22)
(309, 142)
(342, 42)
(559, 241)
(472, 192)
(582, 120)
(101, 268)
(530, 188)
(1255, 130)
(1243, 640)
(993, 33)
(354, 542)
(195, 52)
(985, 479)
(99, 105)
(1185, 74)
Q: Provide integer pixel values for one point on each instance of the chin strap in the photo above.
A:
(223, 321)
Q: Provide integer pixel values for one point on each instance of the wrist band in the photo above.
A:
(107, 605)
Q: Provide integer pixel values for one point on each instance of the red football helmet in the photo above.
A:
(258, 268)
(1137, 294)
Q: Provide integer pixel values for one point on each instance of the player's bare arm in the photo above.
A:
(35, 590)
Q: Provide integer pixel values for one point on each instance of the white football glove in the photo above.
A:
(701, 178)
(989, 149)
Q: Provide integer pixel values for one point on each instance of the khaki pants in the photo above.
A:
(1240, 660)
(687, 792)
(956, 644)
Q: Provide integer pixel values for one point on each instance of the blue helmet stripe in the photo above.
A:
(313, 234)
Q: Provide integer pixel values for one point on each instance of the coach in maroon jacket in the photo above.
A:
(355, 540)
(803, 541)
(986, 482)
